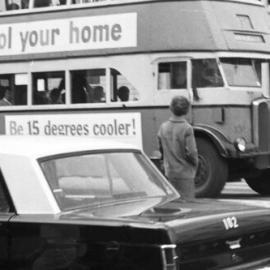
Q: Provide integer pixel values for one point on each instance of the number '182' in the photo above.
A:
(230, 223)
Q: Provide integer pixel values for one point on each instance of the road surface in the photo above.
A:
(238, 189)
(241, 191)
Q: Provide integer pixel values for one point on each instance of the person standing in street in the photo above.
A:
(178, 148)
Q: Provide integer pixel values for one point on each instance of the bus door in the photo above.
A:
(173, 77)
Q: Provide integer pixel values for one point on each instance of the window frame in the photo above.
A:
(31, 69)
(7, 195)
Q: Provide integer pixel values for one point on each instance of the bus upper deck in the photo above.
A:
(69, 47)
(211, 26)
(82, 59)
(35, 5)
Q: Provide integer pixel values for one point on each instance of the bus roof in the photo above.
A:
(35, 6)
(148, 26)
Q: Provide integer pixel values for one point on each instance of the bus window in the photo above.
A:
(88, 86)
(16, 4)
(172, 75)
(242, 72)
(85, 1)
(122, 89)
(48, 3)
(49, 88)
(13, 89)
(205, 73)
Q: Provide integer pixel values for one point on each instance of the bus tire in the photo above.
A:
(212, 172)
(261, 183)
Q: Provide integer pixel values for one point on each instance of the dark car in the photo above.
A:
(96, 205)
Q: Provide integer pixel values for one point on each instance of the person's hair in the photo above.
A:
(179, 105)
(54, 95)
(123, 93)
(98, 93)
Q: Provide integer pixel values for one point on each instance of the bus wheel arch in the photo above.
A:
(212, 172)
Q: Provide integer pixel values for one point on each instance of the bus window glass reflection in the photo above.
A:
(172, 75)
(13, 89)
(242, 72)
(88, 86)
(49, 88)
(122, 89)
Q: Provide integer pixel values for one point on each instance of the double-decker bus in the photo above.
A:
(110, 68)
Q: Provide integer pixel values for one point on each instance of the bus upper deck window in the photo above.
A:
(49, 88)
(122, 89)
(205, 73)
(85, 1)
(13, 89)
(16, 4)
(172, 75)
(48, 3)
(88, 86)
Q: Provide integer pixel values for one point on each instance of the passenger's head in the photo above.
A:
(98, 94)
(179, 105)
(5, 93)
(123, 93)
(13, 6)
(55, 96)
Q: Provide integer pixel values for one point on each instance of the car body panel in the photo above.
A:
(155, 229)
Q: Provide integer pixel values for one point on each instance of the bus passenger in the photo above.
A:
(6, 99)
(13, 6)
(98, 94)
(123, 93)
(41, 98)
(78, 86)
(178, 148)
(25, 4)
(55, 96)
(206, 73)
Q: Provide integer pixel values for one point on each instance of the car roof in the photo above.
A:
(43, 146)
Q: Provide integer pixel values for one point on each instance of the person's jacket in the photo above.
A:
(178, 148)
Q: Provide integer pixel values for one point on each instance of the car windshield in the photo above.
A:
(242, 71)
(80, 180)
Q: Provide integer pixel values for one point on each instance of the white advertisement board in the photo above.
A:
(124, 127)
(78, 33)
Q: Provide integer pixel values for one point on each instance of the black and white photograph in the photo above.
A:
(134, 135)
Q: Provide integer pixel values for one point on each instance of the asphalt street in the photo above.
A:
(241, 191)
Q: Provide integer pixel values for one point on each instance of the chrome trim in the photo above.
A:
(255, 120)
(169, 263)
(256, 265)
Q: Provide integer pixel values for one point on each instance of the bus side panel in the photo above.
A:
(148, 121)
(232, 121)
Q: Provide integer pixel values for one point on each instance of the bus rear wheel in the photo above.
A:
(261, 183)
(212, 172)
